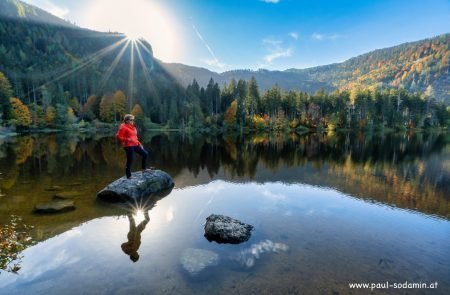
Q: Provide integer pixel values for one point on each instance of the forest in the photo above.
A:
(68, 78)
(237, 105)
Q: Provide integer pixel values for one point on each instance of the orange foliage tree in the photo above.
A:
(20, 113)
(230, 114)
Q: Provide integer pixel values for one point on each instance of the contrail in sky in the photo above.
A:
(214, 57)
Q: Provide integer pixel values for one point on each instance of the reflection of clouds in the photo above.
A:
(274, 202)
(46, 257)
(288, 213)
(214, 187)
(248, 256)
(169, 214)
(310, 212)
(278, 197)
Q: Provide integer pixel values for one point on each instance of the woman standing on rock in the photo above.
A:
(127, 136)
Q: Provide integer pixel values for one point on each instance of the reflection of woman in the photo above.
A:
(134, 237)
(127, 136)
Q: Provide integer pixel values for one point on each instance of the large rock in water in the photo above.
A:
(224, 229)
(142, 184)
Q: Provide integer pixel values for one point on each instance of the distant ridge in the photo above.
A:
(413, 66)
(18, 10)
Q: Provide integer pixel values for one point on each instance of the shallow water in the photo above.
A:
(328, 210)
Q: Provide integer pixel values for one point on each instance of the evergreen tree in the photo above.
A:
(253, 100)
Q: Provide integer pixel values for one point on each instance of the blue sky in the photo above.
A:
(249, 34)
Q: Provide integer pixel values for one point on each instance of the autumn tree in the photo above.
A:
(50, 115)
(88, 110)
(138, 113)
(5, 95)
(37, 115)
(119, 101)
(106, 108)
(75, 105)
(20, 113)
(230, 114)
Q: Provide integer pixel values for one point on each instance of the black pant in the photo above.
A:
(130, 150)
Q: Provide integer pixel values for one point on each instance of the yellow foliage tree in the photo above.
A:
(119, 104)
(230, 114)
(50, 115)
(113, 106)
(75, 105)
(20, 113)
(106, 108)
(138, 113)
(71, 118)
(89, 103)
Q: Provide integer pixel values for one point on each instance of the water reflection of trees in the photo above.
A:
(411, 170)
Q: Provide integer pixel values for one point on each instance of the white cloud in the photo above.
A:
(271, 41)
(321, 37)
(271, 1)
(49, 6)
(294, 35)
(275, 50)
(213, 61)
(279, 52)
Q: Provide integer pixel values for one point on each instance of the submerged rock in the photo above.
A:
(142, 184)
(54, 188)
(55, 206)
(247, 258)
(195, 261)
(224, 229)
(66, 195)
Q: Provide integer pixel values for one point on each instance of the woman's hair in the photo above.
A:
(127, 118)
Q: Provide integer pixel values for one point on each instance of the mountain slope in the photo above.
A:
(285, 79)
(14, 9)
(413, 66)
(49, 63)
(184, 74)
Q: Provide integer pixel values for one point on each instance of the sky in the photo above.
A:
(223, 35)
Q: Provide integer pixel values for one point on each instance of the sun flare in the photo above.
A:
(136, 19)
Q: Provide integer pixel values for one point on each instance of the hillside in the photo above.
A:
(184, 74)
(285, 79)
(17, 10)
(413, 66)
(50, 63)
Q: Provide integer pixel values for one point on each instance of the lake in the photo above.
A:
(328, 210)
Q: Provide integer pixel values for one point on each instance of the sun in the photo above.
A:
(136, 19)
(132, 36)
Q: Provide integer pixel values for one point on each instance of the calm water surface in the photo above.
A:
(328, 210)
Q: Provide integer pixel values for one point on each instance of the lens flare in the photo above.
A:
(137, 19)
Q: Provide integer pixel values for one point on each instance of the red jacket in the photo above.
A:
(127, 135)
